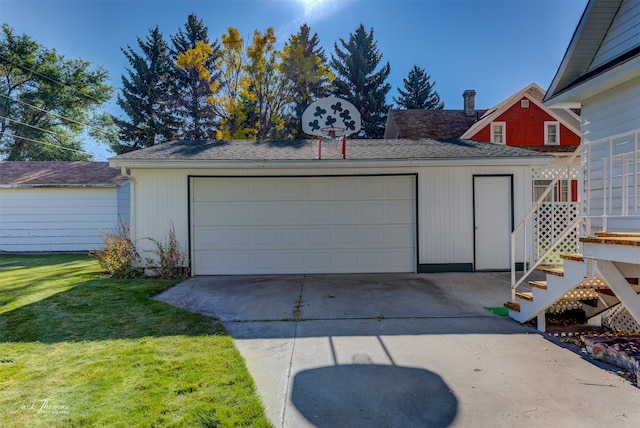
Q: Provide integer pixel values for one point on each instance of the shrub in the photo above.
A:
(170, 256)
(119, 258)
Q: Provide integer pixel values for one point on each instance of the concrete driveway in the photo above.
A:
(403, 350)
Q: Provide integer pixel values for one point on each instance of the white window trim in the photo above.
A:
(504, 131)
(546, 133)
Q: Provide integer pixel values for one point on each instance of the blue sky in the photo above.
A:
(493, 47)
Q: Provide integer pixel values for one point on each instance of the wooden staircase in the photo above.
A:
(579, 279)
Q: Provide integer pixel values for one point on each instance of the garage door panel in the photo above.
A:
(319, 237)
(371, 189)
(290, 190)
(264, 262)
(371, 213)
(345, 190)
(207, 238)
(373, 236)
(396, 188)
(345, 213)
(397, 236)
(292, 262)
(207, 213)
(303, 225)
(398, 212)
(345, 237)
(318, 213)
(265, 213)
(291, 213)
(208, 263)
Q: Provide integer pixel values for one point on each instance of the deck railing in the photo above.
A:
(612, 184)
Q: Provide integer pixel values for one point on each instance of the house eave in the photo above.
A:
(574, 96)
(328, 163)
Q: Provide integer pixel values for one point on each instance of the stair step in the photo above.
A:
(538, 284)
(617, 234)
(573, 257)
(629, 239)
(525, 295)
(553, 271)
(514, 306)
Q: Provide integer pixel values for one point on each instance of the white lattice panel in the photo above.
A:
(549, 173)
(619, 319)
(586, 290)
(549, 222)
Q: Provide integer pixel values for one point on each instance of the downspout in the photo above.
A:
(132, 211)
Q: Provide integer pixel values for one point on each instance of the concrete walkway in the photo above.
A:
(403, 350)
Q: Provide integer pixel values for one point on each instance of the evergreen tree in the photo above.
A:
(197, 117)
(418, 92)
(358, 82)
(304, 67)
(45, 100)
(146, 95)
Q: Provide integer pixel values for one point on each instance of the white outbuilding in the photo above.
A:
(261, 207)
(60, 206)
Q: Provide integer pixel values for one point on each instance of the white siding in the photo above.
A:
(609, 114)
(56, 219)
(622, 36)
(446, 210)
(612, 112)
(124, 202)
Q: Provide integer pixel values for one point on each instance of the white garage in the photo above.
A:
(336, 224)
(278, 207)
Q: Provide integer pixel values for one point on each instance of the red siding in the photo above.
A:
(525, 127)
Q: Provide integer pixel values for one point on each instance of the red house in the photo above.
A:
(523, 121)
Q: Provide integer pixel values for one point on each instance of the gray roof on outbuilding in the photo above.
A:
(251, 150)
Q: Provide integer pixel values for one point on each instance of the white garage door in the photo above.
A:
(303, 225)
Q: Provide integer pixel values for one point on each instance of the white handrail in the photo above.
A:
(536, 206)
(630, 167)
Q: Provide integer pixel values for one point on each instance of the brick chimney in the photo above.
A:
(469, 102)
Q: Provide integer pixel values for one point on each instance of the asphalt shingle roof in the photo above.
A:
(251, 150)
(434, 124)
(41, 173)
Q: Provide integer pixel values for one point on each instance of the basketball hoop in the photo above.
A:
(322, 116)
(332, 131)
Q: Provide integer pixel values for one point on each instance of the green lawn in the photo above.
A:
(78, 349)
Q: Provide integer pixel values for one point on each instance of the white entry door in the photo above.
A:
(493, 217)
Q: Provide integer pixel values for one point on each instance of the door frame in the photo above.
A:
(511, 214)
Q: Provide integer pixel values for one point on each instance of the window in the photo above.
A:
(524, 103)
(560, 192)
(551, 133)
(498, 131)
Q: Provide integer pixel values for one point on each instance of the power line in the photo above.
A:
(39, 141)
(56, 115)
(30, 126)
(50, 79)
(47, 143)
